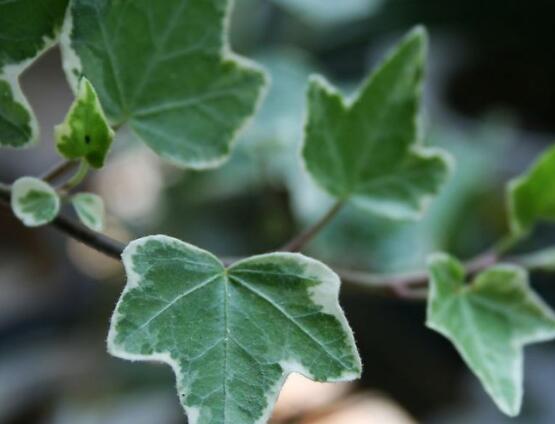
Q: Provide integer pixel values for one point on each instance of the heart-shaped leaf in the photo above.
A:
(489, 321)
(166, 69)
(90, 210)
(366, 149)
(231, 335)
(531, 197)
(34, 202)
(85, 133)
(27, 29)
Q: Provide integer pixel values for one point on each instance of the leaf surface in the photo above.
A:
(367, 149)
(231, 335)
(531, 197)
(90, 210)
(165, 68)
(85, 133)
(27, 29)
(34, 202)
(489, 321)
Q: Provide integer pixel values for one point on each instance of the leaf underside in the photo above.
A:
(231, 335)
(367, 149)
(489, 321)
(27, 29)
(165, 69)
(90, 210)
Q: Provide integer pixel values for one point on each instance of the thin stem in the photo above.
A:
(77, 178)
(97, 241)
(59, 170)
(300, 241)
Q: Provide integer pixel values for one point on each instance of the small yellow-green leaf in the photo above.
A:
(531, 197)
(367, 149)
(231, 335)
(90, 210)
(489, 321)
(85, 133)
(34, 202)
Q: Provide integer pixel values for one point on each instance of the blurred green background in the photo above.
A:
(490, 101)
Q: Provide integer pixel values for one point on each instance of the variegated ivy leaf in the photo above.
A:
(34, 202)
(531, 197)
(489, 321)
(367, 149)
(166, 69)
(27, 29)
(90, 210)
(231, 335)
(85, 133)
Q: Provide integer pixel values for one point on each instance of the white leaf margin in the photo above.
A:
(517, 372)
(325, 294)
(21, 188)
(73, 68)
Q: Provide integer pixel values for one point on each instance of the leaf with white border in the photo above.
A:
(90, 210)
(166, 69)
(531, 197)
(85, 133)
(489, 321)
(367, 150)
(27, 29)
(231, 335)
(34, 202)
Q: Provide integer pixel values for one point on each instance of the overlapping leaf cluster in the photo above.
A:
(233, 334)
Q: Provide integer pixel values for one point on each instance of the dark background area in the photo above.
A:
(490, 101)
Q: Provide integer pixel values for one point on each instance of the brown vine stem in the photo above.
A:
(407, 286)
(100, 242)
(297, 243)
(59, 170)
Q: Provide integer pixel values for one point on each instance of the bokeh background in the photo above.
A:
(490, 100)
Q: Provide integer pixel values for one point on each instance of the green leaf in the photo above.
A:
(166, 69)
(531, 197)
(34, 202)
(27, 29)
(90, 210)
(231, 335)
(489, 321)
(85, 133)
(367, 149)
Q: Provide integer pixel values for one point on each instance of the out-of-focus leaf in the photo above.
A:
(90, 210)
(367, 150)
(489, 321)
(531, 197)
(324, 13)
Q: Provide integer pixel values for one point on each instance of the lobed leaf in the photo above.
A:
(85, 132)
(27, 29)
(366, 149)
(90, 210)
(165, 68)
(231, 335)
(530, 197)
(34, 202)
(489, 321)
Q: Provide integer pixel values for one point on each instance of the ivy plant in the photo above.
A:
(233, 330)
